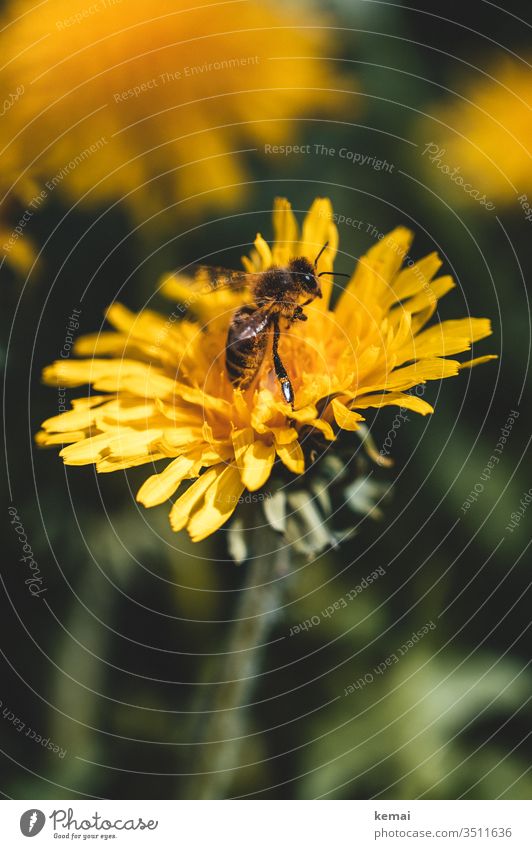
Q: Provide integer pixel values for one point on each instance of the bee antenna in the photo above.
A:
(334, 274)
(326, 245)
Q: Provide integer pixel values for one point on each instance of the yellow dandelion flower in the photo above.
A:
(163, 391)
(150, 103)
(481, 139)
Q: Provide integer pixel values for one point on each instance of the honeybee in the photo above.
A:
(278, 295)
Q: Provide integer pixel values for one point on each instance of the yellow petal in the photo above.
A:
(409, 402)
(111, 376)
(345, 418)
(415, 277)
(221, 500)
(203, 399)
(258, 462)
(85, 451)
(477, 361)
(180, 512)
(304, 415)
(179, 439)
(429, 296)
(102, 344)
(146, 325)
(385, 259)
(147, 384)
(291, 454)
(324, 427)
(241, 411)
(446, 338)
(388, 254)
(371, 285)
(242, 439)
(22, 253)
(121, 318)
(318, 229)
(285, 231)
(263, 250)
(409, 376)
(180, 413)
(248, 264)
(186, 292)
(283, 435)
(44, 438)
(88, 401)
(127, 442)
(160, 487)
(112, 464)
(126, 411)
(77, 419)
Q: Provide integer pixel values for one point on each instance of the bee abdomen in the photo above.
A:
(247, 340)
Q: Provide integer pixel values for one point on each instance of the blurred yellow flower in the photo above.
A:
(482, 137)
(149, 103)
(163, 392)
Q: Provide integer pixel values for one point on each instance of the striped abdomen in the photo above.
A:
(247, 340)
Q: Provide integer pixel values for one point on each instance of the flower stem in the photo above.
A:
(258, 608)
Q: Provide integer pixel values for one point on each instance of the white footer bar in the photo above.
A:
(268, 824)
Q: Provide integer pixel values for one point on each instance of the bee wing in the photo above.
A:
(211, 278)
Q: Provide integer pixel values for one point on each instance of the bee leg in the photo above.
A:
(280, 371)
(299, 315)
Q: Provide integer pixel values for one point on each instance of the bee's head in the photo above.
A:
(305, 275)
